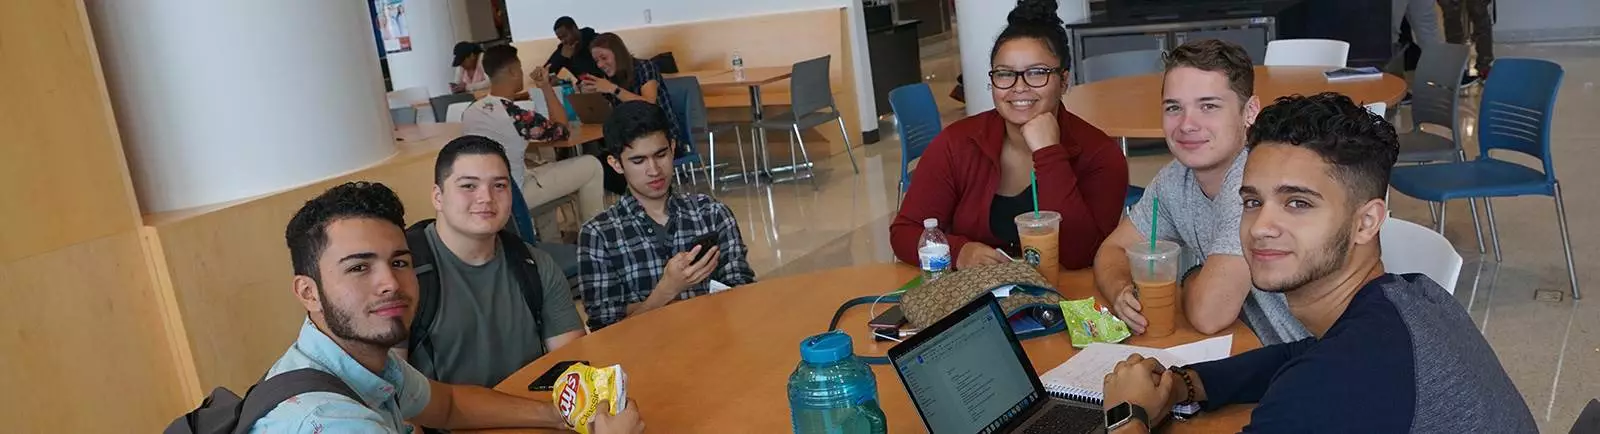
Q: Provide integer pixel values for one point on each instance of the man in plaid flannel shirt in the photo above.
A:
(640, 254)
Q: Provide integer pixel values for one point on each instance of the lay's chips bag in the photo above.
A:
(578, 393)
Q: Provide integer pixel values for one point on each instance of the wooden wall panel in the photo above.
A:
(764, 40)
(82, 348)
(65, 176)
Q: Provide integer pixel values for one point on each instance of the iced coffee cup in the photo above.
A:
(1039, 233)
(1155, 277)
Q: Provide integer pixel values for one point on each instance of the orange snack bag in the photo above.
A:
(580, 389)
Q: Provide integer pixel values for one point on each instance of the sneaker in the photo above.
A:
(1468, 80)
(1407, 99)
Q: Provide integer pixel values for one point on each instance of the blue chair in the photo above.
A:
(1518, 105)
(1134, 194)
(689, 106)
(916, 120)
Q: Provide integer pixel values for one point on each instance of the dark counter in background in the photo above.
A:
(896, 59)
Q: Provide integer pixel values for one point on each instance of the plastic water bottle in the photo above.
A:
(934, 251)
(738, 65)
(833, 392)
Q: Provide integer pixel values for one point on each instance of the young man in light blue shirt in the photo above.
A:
(353, 276)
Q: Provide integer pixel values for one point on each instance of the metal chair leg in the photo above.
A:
(1440, 221)
(846, 134)
(711, 170)
(1566, 242)
(811, 168)
(794, 164)
(1476, 227)
(1433, 211)
(744, 171)
(1494, 231)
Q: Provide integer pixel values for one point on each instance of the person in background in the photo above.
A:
(1207, 102)
(1480, 30)
(353, 276)
(573, 53)
(469, 68)
(641, 254)
(483, 330)
(1424, 20)
(497, 117)
(975, 176)
(1389, 353)
(629, 79)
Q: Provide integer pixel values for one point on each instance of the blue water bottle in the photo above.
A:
(833, 392)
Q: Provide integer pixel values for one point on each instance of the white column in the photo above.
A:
(978, 22)
(223, 100)
(866, 101)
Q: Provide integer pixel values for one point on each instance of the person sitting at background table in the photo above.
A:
(482, 328)
(975, 176)
(497, 117)
(1208, 101)
(1389, 353)
(641, 254)
(469, 68)
(353, 276)
(630, 79)
(573, 53)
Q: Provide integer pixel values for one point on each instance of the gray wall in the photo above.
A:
(1540, 20)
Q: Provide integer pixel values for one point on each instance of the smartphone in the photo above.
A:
(547, 381)
(889, 319)
(706, 242)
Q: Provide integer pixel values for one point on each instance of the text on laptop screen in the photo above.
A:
(968, 378)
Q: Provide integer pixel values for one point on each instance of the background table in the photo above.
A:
(1130, 107)
(721, 362)
(753, 78)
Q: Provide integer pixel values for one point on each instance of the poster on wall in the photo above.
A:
(392, 26)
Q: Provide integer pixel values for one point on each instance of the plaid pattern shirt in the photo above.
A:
(620, 258)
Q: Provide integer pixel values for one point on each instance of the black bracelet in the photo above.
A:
(1187, 384)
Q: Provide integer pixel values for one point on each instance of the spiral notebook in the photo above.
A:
(1082, 378)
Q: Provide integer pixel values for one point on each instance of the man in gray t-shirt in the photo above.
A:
(1207, 103)
(483, 329)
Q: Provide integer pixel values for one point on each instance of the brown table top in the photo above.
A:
(422, 132)
(721, 362)
(754, 76)
(1131, 106)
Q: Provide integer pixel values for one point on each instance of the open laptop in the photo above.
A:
(968, 374)
(592, 108)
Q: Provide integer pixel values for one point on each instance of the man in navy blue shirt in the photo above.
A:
(1389, 353)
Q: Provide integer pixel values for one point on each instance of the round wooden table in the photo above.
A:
(1130, 107)
(721, 362)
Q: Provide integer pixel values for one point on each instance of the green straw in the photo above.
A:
(1033, 178)
(1155, 214)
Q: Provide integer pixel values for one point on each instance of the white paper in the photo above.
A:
(1216, 348)
(1003, 291)
(716, 287)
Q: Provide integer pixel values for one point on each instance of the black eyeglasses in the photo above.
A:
(1035, 77)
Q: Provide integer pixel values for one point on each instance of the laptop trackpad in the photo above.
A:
(1061, 416)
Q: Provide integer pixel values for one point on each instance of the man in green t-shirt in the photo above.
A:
(484, 330)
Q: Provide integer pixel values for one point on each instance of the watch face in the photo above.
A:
(1118, 414)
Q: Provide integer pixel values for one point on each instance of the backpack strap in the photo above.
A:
(265, 396)
(423, 263)
(526, 271)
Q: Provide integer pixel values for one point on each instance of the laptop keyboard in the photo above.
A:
(1067, 419)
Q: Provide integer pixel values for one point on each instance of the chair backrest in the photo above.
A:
(454, 112)
(1436, 86)
(441, 105)
(1307, 52)
(1411, 248)
(680, 90)
(408, 96)
(810, 90)
(916, 120)
(1108, 66)
(1519, 101)
(1379, 108)
(403, 115)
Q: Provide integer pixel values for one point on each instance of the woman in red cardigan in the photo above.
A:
(974, 177)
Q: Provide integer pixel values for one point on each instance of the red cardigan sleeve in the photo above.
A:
(1088, 196)
(933, 194)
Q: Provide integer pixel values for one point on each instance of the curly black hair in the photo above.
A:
(445, 163)
(1361, 146)
(1035, 19)
(631, 121)
(307, 234)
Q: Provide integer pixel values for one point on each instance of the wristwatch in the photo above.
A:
(1124, 414)
(616, 91)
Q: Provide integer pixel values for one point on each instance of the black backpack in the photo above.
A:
(422, 261)
(224, 412)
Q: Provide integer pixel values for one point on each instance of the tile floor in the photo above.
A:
(1550, 348)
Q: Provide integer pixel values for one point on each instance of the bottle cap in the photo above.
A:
(930, 223)
(826, 348)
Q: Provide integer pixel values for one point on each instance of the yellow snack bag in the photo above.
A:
(580, 389)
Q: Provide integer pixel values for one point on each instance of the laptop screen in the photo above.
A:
(968, 378)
